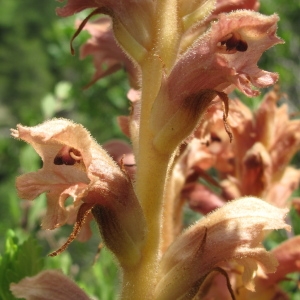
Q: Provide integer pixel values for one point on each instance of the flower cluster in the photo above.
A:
(183, 58)
(255, 162)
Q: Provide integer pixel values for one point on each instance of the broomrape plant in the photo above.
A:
(183, 58)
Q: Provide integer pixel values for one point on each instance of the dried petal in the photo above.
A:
(281, 190)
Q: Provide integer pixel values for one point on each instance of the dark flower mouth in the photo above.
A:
(67, 156)
(233, 42)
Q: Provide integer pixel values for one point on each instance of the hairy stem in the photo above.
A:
(152, 168)
(152, 165)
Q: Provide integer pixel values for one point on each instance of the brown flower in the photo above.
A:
(238, 228)
(74, 165)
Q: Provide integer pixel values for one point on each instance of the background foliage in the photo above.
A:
(39, 79)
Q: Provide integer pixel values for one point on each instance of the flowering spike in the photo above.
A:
(180, 56)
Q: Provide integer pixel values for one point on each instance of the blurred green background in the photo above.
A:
(39, 79)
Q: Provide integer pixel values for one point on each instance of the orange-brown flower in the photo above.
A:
(74, 165)
(233, 232)
(288, 257)
(256, 162)
(225, 56)
(212, 51)
(264, 143)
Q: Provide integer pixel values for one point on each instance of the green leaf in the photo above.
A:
(101, 280)
(18, 261)
(63, 89)
(48, 105)
(29, 160)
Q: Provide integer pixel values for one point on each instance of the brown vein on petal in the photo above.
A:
(82, 214)
(202, 244)
(225, 108)
(224, 273)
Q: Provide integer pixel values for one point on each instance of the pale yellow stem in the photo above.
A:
(168, 32)
(152, 167)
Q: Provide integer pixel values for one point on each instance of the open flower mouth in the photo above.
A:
(232, 43)
(67, 156)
